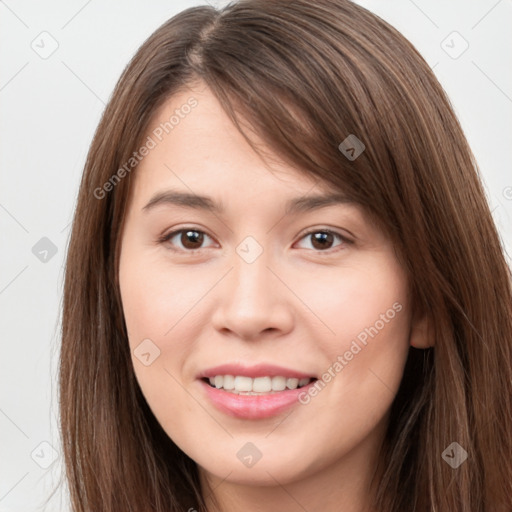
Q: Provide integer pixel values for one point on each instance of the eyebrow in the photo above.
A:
(199, 202)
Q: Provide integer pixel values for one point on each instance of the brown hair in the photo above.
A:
(341, 70)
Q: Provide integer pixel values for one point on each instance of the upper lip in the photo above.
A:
(259, 370)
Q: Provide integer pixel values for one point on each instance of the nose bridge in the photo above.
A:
(251, 300)
(251, 280)
(252, 276)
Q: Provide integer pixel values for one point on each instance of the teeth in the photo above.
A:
(228, 382)
(240, 384)
(259, 385)
(278, 383)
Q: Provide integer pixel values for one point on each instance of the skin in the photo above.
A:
(298, 305)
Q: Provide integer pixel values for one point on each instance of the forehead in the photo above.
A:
(198, 148)
(201, 161)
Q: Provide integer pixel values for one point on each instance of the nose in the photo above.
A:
(252, 302)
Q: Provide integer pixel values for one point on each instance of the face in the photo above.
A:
(277, 293)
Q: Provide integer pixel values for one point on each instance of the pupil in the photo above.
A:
(321, 238)
(191, 238)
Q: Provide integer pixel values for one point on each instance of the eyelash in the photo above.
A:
(167, 237)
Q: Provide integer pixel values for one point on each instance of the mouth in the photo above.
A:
(255, 398)
(254, 392)
(265, 385)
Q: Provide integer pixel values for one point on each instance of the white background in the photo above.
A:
(50, 108)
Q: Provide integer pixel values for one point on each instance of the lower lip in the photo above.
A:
(253, 407)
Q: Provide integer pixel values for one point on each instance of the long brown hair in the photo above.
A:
(306, 75)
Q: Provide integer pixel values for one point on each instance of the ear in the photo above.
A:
(421, 335)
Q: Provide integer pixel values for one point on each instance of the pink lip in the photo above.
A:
(252, 407)
(259, 370)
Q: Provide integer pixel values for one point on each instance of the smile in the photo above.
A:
(253, 405)
(239, 384)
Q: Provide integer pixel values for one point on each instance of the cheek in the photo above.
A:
(156, 297)
(163, 307)
(351, 299)
(158, 309)
(368, 317)
(148, 305)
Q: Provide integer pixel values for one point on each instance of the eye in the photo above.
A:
(323, 239)
(191, 239)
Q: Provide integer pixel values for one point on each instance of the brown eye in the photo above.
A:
(191, 239)
(185, 239)
(323, 239)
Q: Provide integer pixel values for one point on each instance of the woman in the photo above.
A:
(284, 288)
